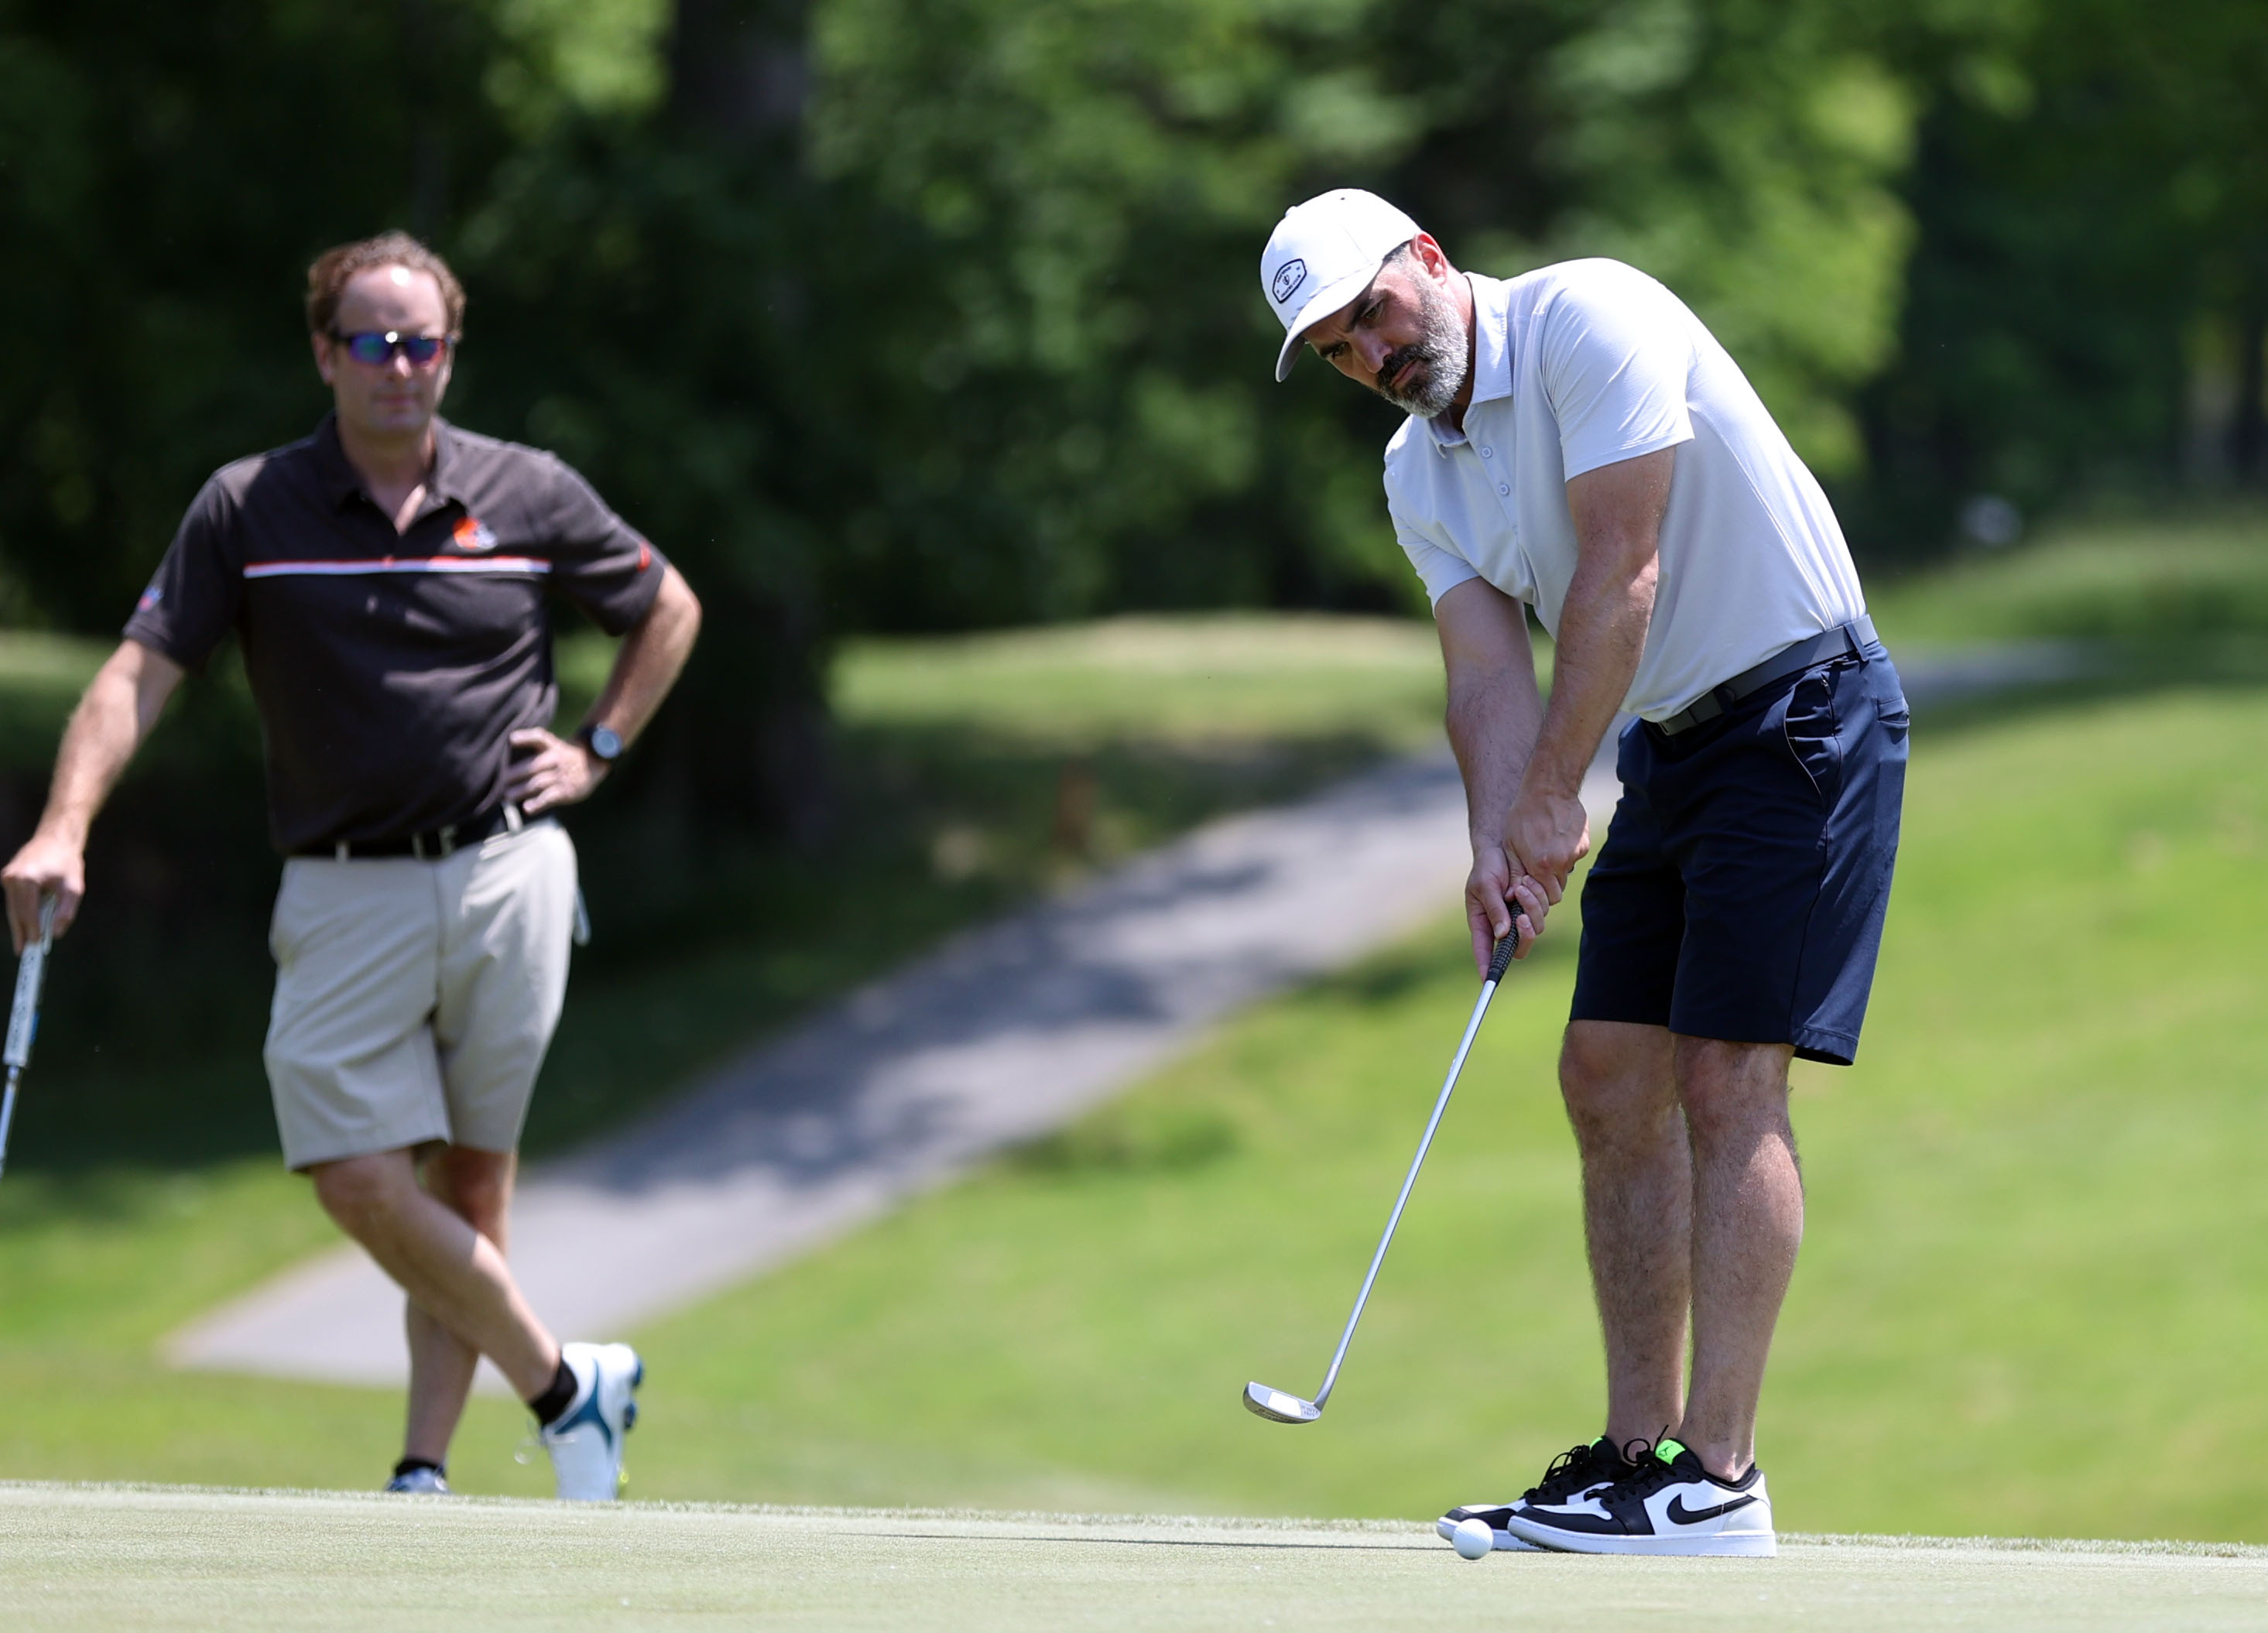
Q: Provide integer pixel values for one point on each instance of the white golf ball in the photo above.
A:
(1473, 1539)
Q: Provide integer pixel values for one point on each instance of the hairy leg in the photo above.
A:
(1619, 1084)
(477, 1186)
(1748, 1222)
(448, 1268)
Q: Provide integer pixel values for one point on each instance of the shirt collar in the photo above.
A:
(1491, 356)
(342, 482)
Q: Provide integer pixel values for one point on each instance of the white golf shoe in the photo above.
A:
(585, 1441)
(1668, 1504)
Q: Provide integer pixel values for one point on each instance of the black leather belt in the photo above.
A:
(1828, 644)
(433, 843)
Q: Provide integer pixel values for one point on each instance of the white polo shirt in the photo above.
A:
(1586, 363)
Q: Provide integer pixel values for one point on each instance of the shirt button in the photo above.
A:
(1488, 453)
(1504, 487)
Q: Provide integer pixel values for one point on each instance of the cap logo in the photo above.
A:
(1289, 276)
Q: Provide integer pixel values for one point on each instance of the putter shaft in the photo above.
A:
(1409, 1179)
(1274, 1404)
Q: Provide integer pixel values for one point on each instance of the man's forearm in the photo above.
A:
(652, 656)
(1492, 722)
(1493, 707)
(1602, 635)
(120, 705)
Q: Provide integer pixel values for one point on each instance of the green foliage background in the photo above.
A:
(887, 316)
(893, 315)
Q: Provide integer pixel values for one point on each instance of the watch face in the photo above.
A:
(604, 743)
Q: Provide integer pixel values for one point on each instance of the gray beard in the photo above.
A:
(1440, 354)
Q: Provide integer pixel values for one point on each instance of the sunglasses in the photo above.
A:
(376, 348)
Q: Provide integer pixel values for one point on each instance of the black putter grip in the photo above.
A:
(1501, 961)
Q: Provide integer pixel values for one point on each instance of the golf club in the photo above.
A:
(24, 1018)
(1274, 1404)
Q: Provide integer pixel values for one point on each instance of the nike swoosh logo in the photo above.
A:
(1678, 1514)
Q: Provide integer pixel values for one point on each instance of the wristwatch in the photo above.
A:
(604, 742)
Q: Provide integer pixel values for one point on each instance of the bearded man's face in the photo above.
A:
(1425, 376)
(1403, 337)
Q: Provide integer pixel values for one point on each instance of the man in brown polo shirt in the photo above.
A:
(387, 578)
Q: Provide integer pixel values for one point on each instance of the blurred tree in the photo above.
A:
(1068, 353)
(2089, 288)
(884, 315)
(165, 172)
(648, 252)
(1063, 360)
(1744, 153)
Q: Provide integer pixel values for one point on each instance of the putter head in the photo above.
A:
(1278, 1408)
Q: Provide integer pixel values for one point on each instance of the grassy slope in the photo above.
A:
(2030, 1303)
(2033, 1299)
(2167, 582)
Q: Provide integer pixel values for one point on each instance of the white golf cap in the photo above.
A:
(1322, 254)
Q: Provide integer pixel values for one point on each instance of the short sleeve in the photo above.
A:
(1440, 567)
(1615, 358)
(192, 602)
(598, 561)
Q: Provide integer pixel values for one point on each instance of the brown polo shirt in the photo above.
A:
(391, 669)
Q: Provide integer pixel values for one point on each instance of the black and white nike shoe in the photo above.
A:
(1576, 1470)
(1668, 1504)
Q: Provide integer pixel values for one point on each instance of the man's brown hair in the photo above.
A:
(327, 279)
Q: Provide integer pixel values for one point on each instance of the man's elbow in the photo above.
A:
(687, 612)
(675, 614)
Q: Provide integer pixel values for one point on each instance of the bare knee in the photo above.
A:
(363, 1194)
(1734, 1094)
(476, 1184)
(1617, 1081)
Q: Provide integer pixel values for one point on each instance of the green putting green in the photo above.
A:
(155, 1557)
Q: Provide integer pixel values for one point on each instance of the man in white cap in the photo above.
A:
(1579, 443)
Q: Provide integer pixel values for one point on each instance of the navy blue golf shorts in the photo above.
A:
(1741, 889)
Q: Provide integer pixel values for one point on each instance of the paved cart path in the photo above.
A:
(995, 1037)
(162, 1558)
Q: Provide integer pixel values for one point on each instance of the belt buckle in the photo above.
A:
(445, 841)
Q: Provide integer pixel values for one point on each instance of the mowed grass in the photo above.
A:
(2033, 1299)
(107, 1557)
(2151, 601)
(1227, 678)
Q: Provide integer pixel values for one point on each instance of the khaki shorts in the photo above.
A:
(415, 1000)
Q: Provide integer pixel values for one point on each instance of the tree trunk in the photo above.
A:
(2248, 430)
